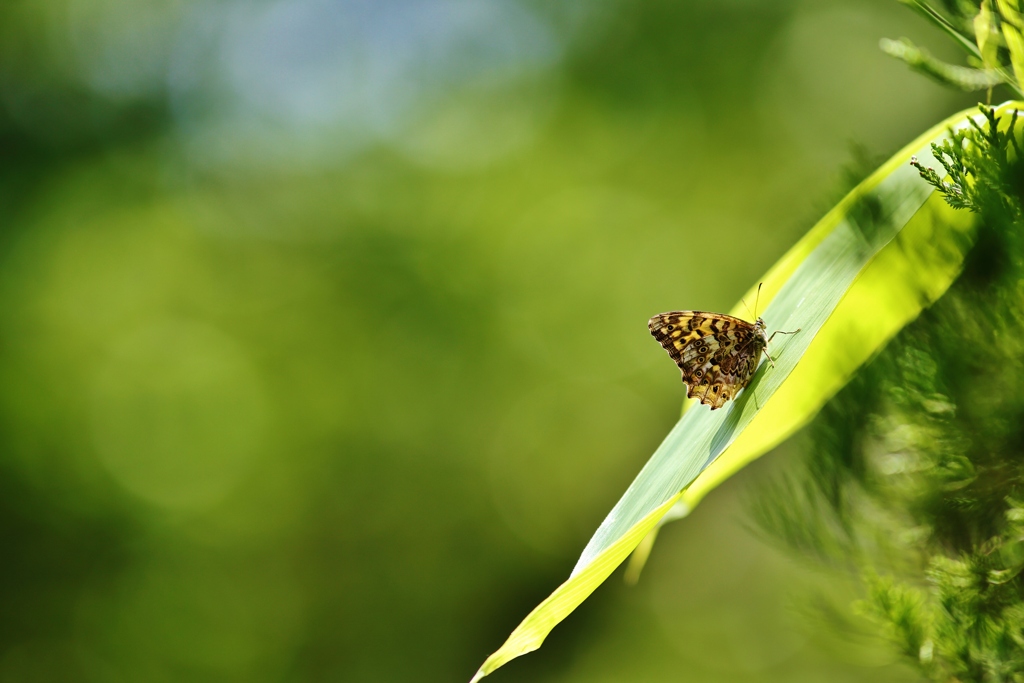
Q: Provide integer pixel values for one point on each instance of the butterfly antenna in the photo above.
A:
(748, 308)
(757, 299)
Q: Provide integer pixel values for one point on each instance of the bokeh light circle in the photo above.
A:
(178, 413)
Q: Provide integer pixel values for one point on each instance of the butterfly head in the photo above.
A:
(761, 329)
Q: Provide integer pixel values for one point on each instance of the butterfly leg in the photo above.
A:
(781, 332)
(770, 341)
(770, 361)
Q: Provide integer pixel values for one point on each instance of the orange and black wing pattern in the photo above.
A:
(716, 353)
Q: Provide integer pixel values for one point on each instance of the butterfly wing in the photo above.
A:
(717, 354)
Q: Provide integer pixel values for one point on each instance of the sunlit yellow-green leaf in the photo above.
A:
(865, 270)
(1009, 10)
(985, 32)
(1015, 45)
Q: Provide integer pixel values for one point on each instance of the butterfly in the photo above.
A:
(716, 353)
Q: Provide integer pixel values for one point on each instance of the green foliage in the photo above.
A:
(961, 15)
(989, 35)
(922, 61)
(981, 163)
(916, 473)
(904, 610)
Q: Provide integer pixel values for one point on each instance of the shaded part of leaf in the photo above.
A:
(638, 559)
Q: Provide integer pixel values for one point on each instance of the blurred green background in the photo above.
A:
(322, 324)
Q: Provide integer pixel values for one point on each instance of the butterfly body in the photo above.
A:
(716, 353)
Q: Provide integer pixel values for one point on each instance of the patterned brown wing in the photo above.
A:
(717, 354)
